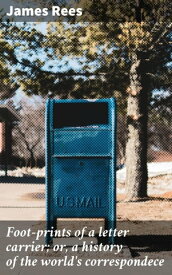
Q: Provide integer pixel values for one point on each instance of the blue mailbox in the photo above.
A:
(80, 160)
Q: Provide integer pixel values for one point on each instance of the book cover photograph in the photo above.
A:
(85, 137)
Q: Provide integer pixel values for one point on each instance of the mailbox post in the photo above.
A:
(80, 161)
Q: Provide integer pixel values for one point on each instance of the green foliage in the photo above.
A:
(102, 50)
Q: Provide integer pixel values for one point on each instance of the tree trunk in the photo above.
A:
(32, 159)
(137, 118)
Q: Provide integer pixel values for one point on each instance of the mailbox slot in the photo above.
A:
(80, 114)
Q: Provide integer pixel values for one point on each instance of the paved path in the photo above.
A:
(22, 201)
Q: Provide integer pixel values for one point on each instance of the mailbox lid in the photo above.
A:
(84, 143)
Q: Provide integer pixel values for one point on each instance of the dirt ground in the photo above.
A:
(158, 207)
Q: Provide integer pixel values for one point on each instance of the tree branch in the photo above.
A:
(166, 29)
(69, 73)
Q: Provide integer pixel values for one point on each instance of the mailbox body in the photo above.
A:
(80, 160)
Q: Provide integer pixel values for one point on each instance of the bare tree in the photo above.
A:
(28, 134)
